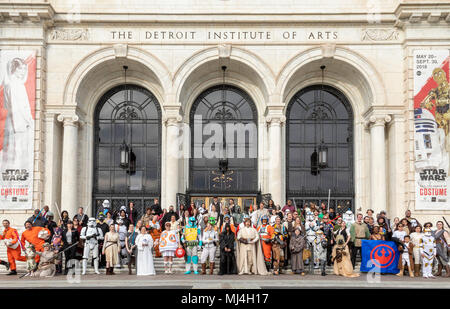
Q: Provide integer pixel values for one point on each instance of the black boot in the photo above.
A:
(6, 264)
(12, 273)
(323, 268)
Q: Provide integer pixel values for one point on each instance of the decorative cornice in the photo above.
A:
(415, 13)
(23, 12)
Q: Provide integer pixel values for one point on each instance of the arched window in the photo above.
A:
(142, 132)
(315, 115)
(231, 111)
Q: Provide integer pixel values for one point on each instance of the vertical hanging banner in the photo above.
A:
(431, 129)
(17, 115)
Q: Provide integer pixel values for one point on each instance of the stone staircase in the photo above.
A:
(178, 264)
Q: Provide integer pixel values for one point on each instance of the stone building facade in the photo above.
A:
(272, 49)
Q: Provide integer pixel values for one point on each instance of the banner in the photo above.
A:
(379, 256)
(431, 129)
(17, 114)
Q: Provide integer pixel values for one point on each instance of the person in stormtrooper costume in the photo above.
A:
(311, 226)
(122, 229)
(91, 234)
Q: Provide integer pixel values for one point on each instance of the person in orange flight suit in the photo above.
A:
(266, 233)
(31, 234)
(11, 238)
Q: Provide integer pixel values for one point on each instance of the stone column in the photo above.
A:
(274, 168)
(173, 153)
(378, 184)
(69, 184)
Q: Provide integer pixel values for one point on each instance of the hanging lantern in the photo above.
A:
(124, 155)
(323, 156)
(223, 161)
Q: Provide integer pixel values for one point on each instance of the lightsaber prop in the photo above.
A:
(37, 215)
(73, 245)
(329, 193)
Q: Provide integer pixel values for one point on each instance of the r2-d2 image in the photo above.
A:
(429, 141)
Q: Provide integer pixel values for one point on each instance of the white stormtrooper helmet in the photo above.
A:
(91, 222)
(105, 204)
(310, 216)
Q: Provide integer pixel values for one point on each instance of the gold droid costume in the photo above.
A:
(428, 252)
(440, 98)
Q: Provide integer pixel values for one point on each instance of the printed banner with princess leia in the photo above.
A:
(431, 128)
(17, 114)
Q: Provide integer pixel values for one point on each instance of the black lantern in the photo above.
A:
(223, 165)
(319, 160)
(223, 161)
(124, 155)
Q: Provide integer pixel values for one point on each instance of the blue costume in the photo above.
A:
(191, 237)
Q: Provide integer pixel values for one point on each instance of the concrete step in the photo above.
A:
(178, 263)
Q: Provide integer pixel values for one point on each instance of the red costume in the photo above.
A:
(32, 237)
(13, 254)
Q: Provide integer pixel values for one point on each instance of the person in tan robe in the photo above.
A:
(110, 249)
(250, 258)
(341, 258)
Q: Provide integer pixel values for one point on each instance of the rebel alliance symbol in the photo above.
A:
(382, 256)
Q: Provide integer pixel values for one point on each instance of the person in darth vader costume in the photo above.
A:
(228, 264)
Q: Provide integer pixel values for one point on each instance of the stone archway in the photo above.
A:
(361, 84)
(89, 81)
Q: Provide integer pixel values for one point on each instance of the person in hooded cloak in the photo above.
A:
(227, 246)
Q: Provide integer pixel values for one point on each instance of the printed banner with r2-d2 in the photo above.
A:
(17, 115)
(431, 129)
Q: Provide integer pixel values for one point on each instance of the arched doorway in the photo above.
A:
(316, 114)
(142, 132)
(230, 110)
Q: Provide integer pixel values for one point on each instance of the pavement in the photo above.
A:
(181, 281)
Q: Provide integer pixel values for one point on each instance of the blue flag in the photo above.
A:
(379, 256)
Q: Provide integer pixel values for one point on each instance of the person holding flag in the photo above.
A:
(14, 247)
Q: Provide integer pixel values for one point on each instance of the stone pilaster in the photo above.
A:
(378, 184)
(274, 124)
(69, 185)
(173, 154)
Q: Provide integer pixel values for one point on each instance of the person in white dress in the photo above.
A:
(144, 265)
